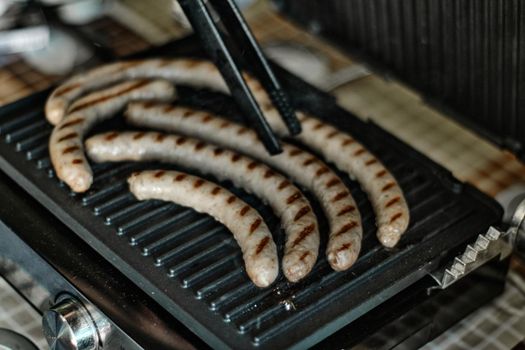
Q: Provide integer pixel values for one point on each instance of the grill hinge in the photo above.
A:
(487, 246)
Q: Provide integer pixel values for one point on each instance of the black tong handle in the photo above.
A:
(213, 42)
(240, 31)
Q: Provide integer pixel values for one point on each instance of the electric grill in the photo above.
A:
(156, 275)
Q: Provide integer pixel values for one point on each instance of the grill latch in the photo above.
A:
(487, 246)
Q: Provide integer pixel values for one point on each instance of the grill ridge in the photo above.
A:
(162, 258)
(141, 220)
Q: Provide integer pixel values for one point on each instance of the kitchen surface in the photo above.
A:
(126, 27)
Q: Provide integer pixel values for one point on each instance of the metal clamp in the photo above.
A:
(487, 246)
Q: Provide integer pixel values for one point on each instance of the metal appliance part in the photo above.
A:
(68, 325)
(485, 248)
(517, 230)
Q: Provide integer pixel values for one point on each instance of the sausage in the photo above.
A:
(349, 155)
(248, 228)
(385, 194)
(304, 168)
(197, 73)
(298, 219)
(65, 143)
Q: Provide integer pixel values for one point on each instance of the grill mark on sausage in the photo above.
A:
(225, 124)
(74, 134)
(159, 174)
(262, 244)
(108, 137)
(160, 137)
(303, 234)
(198, 183)
(139, 135)
(252, 165)
(346, 228)
(65, 89)
(70, 149)
(149, 104)
(255, 225)
(283, 185)
(359, 152)
(395, 217)
(332, 182)
(381, 173)
(101, 99)
(332, 134)
(318, 126)
(293, 197)
(207, 118)
(392, 201)
(322, 170)
(191, 63)
(346, 210)
(199, 145)
(215, 190)
(242, 130)
(187, 113)
(309, 161)
(181, 140)
(295, 152)
(236, 157)
(231, 199)
(340, 196)
(180, 177)
(302, 212)
(72, 122)
(269, 173)
(305, 254)
(77, 161)
(344, 247)
(347, 141)
(218, 151)
(244, 210)
(371, 161)
(388, 186)
(166, 109)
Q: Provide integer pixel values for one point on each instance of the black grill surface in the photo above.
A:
(192, 266)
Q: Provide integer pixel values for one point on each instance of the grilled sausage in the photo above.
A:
(309, 171)
(385, 194)
(182, 71)
(298, 219)
(65, 143)
(248, 227)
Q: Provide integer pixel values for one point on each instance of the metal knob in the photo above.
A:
(68, 325)
(518, 224)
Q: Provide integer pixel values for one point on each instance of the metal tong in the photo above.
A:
(214, 43)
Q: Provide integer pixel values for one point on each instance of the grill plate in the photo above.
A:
(191, 264)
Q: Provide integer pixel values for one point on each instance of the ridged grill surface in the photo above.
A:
(467, 55)
(191, 264)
